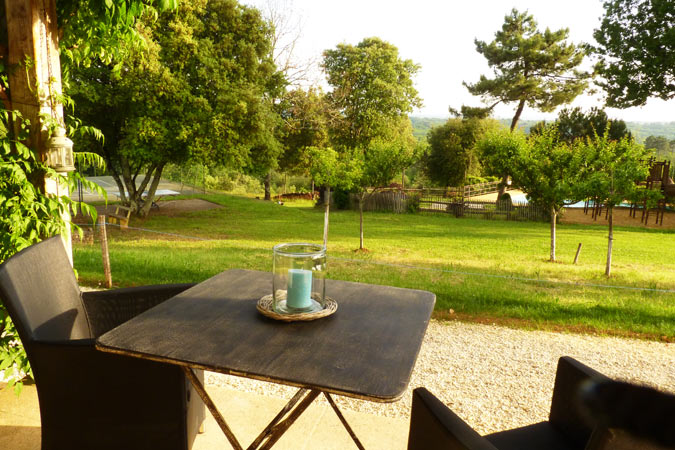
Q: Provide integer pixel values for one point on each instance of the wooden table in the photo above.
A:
(366, 350)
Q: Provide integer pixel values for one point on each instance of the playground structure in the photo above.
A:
(659, 180)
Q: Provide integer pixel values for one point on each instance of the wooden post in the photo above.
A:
(576, 257)
(325, 217)
(35, 85)
(104, 252)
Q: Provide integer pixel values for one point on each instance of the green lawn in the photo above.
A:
(488, 271)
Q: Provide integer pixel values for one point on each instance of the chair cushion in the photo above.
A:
(540, 435)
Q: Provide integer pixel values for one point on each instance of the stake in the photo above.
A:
(576, 257)
(106, 255)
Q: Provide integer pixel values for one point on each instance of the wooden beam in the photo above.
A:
(35, 76)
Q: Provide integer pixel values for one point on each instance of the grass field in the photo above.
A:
(486, 271)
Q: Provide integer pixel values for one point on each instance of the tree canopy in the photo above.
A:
(372, 89)
(196, 91)
(636, 44)
(452, 155)
(533, 68)
(548, 170)
(575, 124)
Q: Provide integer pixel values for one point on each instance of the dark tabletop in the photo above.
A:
(367, 349)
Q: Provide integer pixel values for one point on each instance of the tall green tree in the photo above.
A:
(636, 46)
(372, 89)
(372, 94)
(87, 29)
(306, 115)
(575, 124)
(197, 91)
(452, 155)
(533, 68)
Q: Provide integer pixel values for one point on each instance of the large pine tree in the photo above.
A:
(533, 68)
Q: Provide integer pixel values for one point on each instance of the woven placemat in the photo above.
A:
(266, 307)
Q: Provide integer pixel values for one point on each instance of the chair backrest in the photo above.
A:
(39, 289)
(629, 416)
(566, 415)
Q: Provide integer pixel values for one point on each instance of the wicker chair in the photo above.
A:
(614, 415)
(90, 399)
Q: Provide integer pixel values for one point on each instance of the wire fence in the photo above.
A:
(90, 239)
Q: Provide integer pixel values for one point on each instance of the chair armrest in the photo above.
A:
(108, 309)
(433, 426)
(566, 414)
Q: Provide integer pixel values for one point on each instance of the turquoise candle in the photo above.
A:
(299, 288)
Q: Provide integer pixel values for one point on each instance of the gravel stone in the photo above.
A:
(497, 378)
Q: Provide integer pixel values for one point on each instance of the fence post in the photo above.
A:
(104, 251)
(576, 257)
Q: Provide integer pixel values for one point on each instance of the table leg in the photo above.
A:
(296, 398)
(278, 426)
(212, 407)
(344, 421)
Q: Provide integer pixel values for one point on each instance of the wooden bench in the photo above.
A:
(120, 216)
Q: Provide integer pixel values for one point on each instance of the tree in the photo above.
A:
(372, 95)
(574, 124)
(547, 168)
(500, 151)
(195, 92)
(372, 88)
(35, 195)
(610, 175)
(380, 162)
(452, 155)
(305, 116)
(662, 146)
(530, 67)
(636, 44)
(330, 168)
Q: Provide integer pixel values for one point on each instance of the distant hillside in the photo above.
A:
(422, 125)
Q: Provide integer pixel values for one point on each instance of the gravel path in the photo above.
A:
(497, 378)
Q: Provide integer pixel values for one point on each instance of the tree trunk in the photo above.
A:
(325, 216)
(402, 178)
(151, 191)
(554, 216)
(362, 197)
(608, 268)
(35, 88)
(502, 187)
(268, 183)
(519, 111)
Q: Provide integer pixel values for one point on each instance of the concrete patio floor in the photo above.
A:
(246, 413)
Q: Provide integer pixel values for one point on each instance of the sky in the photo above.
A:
(439, 36)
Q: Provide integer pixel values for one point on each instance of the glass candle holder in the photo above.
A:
(299, 278)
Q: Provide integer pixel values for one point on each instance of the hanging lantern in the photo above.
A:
(59, 151)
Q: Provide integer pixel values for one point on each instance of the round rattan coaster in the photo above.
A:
(266, 308)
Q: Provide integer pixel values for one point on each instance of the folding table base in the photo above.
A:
(278, 426)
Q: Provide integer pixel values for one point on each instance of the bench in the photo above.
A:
(120, 216)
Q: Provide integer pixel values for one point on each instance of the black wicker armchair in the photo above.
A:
(588, 411)
(90, 399)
